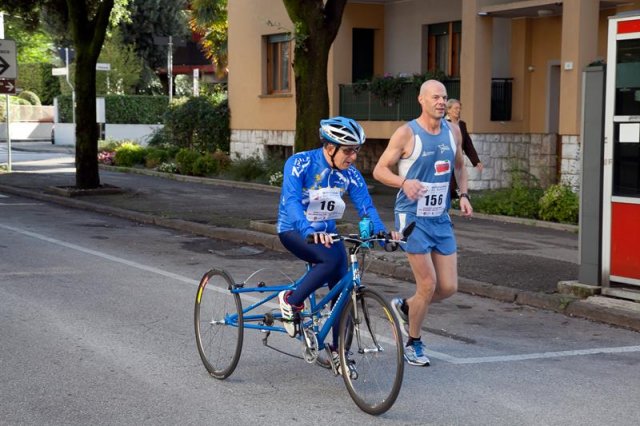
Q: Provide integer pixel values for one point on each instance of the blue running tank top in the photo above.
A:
(431, 162)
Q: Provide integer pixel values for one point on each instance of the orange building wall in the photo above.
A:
(250, 21)
(546, 37)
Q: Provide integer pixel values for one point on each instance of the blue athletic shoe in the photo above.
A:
(414, 354)
(396, 305)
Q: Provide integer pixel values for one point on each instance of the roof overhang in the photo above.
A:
(535, 8)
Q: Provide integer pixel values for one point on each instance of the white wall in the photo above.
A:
(27, 130)
(65, 132)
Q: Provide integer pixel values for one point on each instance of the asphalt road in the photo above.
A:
(97, 328)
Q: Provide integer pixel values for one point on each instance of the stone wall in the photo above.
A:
(571, 164)
(248, 143)
(502, 154)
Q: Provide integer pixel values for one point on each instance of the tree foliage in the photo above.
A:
(126, 67)
(33, 44)
(209, 19)
(316, 24)
(149, 18)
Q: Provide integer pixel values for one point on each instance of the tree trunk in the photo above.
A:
(312, 95)
(317, 23)
(88, 37)
(87, 175)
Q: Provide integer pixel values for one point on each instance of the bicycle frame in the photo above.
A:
(342, 289)
(369, 352)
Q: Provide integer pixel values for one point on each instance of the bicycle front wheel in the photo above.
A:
(218, 324)
(370, 343)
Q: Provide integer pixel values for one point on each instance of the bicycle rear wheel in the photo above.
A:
(218, 324)
(370, 337)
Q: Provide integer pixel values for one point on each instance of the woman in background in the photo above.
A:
(453, 115)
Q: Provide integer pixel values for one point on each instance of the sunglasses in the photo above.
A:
(350, 151)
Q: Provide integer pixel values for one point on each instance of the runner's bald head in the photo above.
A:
(430, 86)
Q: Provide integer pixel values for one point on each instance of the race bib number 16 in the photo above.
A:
(434, 202)
(325, 204)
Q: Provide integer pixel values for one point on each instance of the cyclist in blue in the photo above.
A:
(427, 151)
(313, 185)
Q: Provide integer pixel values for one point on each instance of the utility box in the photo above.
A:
(621, 160)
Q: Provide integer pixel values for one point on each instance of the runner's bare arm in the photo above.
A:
(400, 145)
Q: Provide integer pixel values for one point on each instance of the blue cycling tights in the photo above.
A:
(329, 264)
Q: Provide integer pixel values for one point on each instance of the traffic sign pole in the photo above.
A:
(8, 74)
(8, 135)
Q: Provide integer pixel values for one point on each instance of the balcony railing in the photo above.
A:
(365, 106)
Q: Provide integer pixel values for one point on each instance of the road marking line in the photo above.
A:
(102, 255)
(20, 204)
(539, 355)
(434, 354)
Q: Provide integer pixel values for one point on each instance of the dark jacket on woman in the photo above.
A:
(469, 150)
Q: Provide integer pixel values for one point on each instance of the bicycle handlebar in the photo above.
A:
(385, 237)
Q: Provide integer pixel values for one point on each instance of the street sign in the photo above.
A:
(103, 67)
(59, 71)
(8, 64)
(8, 87)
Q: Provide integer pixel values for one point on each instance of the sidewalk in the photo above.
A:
(520, 262)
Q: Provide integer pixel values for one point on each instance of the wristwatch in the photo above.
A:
(465, 195)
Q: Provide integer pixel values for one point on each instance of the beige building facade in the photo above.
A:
(516, 66)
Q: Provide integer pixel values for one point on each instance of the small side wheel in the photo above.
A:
(218, 323)
(371, 345)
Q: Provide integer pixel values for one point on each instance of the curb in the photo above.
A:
(192, 179)
(276, 189)
(616, 312)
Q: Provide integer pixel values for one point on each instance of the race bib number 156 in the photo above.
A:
(434, 202)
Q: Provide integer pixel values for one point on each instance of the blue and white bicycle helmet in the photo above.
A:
(342, 131)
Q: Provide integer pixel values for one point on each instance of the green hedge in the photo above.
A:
(123, 109)
(200, 124)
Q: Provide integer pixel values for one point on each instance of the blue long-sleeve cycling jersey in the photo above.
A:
(312, 191)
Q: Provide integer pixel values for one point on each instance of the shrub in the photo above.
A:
(559, 204)
(129, 154)
(388, 88)
(168, 167)
(521, 200)
(276, 179)
(223, 159)
(185, 160)
(109, 144)
(156, 156)
(30, 97)
(248, 169)
(205, 165)
(200, 123)
(160, 138)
